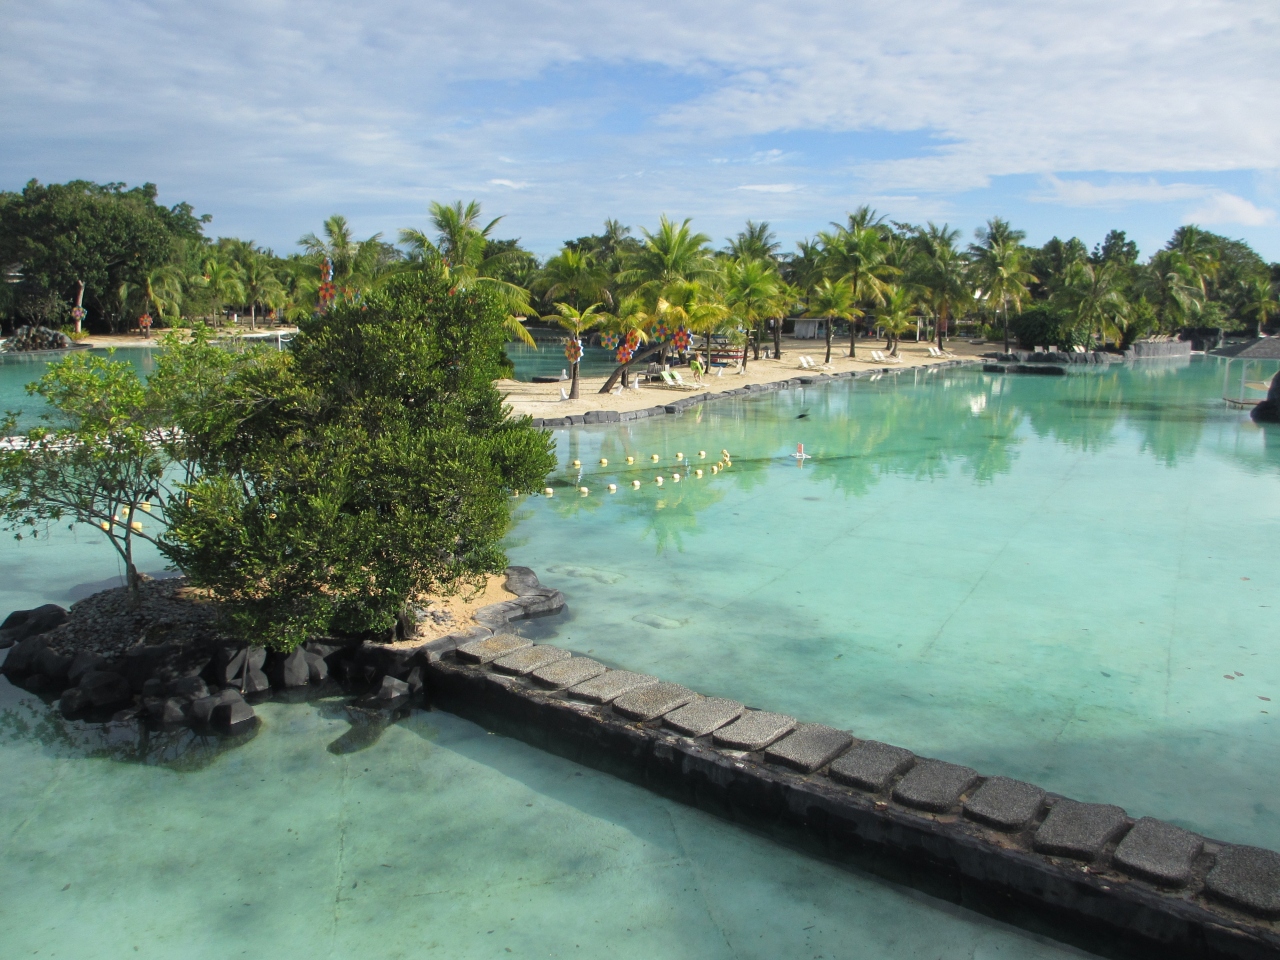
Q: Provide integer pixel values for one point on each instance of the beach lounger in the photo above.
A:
(672, 381)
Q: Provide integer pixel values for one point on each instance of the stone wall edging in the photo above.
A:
(876, 830)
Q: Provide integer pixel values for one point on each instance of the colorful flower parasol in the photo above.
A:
(610, 341)
(682, 339)
(660, 332)
(573, 350)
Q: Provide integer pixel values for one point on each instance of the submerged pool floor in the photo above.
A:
(1045, 578)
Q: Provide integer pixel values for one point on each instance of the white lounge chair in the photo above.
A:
(564, 395)
(672, 381)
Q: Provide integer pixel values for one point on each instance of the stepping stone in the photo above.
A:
(492, 648)
(1005, 804)
(934, 785)
(649, 703)
(529, 659)
(871, 765)
(611, 685)
(755, 730)
(702, 716)
(1159, 852)
(1080, 830)
(568, 673)
(1247, 877)
(811, 746)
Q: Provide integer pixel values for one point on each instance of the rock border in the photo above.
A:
(1089, 873)
(684, 402)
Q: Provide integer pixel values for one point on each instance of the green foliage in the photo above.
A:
(1046, 324)
(371, 464)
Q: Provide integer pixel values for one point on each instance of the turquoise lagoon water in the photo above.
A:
(1041, 577)
(548, 360)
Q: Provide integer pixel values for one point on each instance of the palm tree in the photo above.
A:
(222, 278)
(858, 253)
(753, 292)
(941, 273)
(697, 307)
(671, 254)
(755, 242)
(261, 285)
(574, 274)
(803, 270)
(894, 315)
(999, 262)
(576, 322)
(459, 254)
(162, 288)
(1259, 300)
(835, 302)
(1093, 294)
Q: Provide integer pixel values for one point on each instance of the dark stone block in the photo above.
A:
(36, 682)
(415, 682)
(173, 712)
(153, 688)
(671, 408)
(811, 746)
(294, 670)
(233, 716)
(256, 657)
(228, 664)
(1247, 877)
(202, 709)
(529, 659)
(651, 702)
(73, 702)
(254, 681)
(754, 730)
(1159, 852)
(391, 688)
(317, 668)
(1005, 804)
(22, 658)
(934, 785)
(702, 716)
(54, 666)
(610, 685)
(492, 648)
(871, 765)
(576, 421)
(568, 673)
(24, 624)
(81, 664)
(1080, 830)
(189, 688)
(105, 688)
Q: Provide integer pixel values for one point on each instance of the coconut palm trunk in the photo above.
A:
(573, 387)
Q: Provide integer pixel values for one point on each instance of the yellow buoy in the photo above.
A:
(613, 488)
(144, 507)
(659, 481)
(515, 493)
(715, 468)
(135, 525)
(698, 474)
(583, 490)
(654, 458)
(702, 453)
(577, 463)
(728, 463)
(675, 478)
(604, 462)
(631, 459)
(635, 484)
(549, 492)
(679, 456)
(104, 525)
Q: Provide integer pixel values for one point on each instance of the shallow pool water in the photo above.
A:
(1067, 580)
(1045, 578)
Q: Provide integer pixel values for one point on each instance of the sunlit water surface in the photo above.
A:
(1046, 578)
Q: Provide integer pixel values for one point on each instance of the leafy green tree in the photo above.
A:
(261, 285)
(754, 292)
(1095, 297)
(371, 464)
(671, 254)
(1259, 300)
(942, 274)
(756, 241)
(79, 240)
(894, 314)
(224, 281)
(574, 275)
(834, 301)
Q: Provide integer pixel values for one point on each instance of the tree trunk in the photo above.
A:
(942, 324)
(1006, 327)
(777, 339)
(827, 328)
(621, 368)
(573, 387)
(253, 316)
(79, 301)
(853, 337)
(756, 341)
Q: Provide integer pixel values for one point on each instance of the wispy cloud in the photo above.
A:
(770, 187)
(1228, 209)
(1116, 192)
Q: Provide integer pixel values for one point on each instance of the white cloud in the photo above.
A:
(1227, 208)
(513, 184)
(770, 187)
(1117, 192)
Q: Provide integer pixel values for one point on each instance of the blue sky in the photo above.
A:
(270, 115)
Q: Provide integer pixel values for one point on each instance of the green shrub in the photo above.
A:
(371, 464)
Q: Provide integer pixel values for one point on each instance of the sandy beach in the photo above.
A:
(542, 400)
